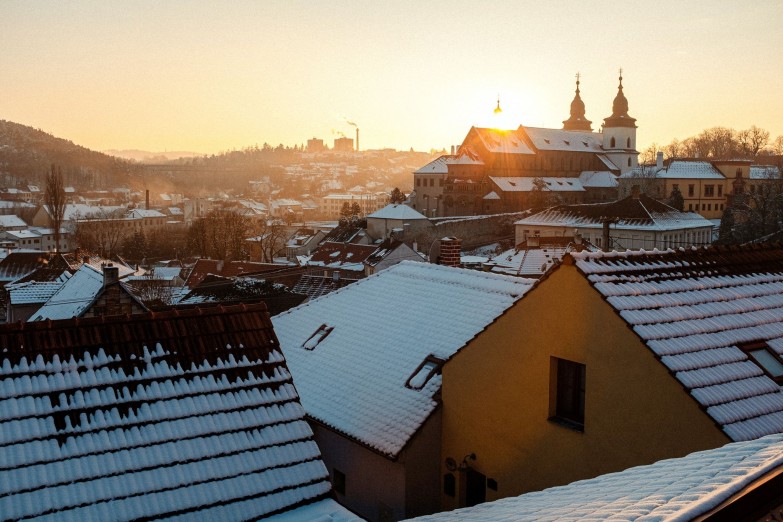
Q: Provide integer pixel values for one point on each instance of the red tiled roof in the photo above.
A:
(203, 267)
(333, 254)
(151, 416)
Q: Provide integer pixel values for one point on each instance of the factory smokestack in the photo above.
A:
(147, 199)
(357, 139)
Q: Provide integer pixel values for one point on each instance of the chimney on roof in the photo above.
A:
(147, 199)
(111, 274)
(450, 251)
(86, 260)
(659, 160)
(452, 150)
(635, 191)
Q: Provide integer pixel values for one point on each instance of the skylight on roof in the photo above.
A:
(318, 336)
(427, 369)
(769, 361)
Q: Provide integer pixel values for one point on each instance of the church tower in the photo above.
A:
(577, 121)
(619, 131)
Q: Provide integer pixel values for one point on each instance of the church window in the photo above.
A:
(629, 162)
(612, 143)
(628, 143)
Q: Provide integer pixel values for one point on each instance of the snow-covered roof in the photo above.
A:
(696, 310)
(678, 169)
(145, 213)
(499, 141)
(82, 211)
(526, 184)
(530, 261)
(492, 195)
(11, 220)
(440, 165)
(380, 330)
(564, 140)
(674, 489)
(642, 213)
(598, 179)
(73, 297)
(396, 211)
(764, 172)
(31, 292)
(187, 414)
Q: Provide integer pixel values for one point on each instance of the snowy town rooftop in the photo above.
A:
(713, 317)
(366, 358)
(643, 212)
(159, 415)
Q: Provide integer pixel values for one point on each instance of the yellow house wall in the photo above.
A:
(496, 395)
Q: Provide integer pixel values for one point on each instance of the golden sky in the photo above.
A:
(208, 76)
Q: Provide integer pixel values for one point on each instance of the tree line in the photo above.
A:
(719, 143)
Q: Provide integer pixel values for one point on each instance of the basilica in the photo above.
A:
(495, 170)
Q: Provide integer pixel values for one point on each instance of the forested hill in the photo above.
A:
(26, 155)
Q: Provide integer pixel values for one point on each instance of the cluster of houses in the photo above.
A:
(419, 389)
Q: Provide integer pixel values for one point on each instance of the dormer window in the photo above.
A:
(318, 336)
(426, 370)
(766, 358)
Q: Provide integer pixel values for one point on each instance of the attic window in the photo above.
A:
(430, 366)
(318, 336)
(546, 140)
(766, 358)
(567, 142)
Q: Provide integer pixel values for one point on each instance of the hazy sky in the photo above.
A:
(211, 76)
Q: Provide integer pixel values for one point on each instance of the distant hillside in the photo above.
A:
(145, 156)
(26, 155)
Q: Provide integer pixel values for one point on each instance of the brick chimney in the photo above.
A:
(659, 160)
(450, 248)
(147, 199)
(635, 192)
(111, 274)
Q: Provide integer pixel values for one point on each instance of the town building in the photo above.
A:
(343, 144)
(635, 222)
(706, 186)
(366, 360)
(615, 360)
(331, 205)
(396, 219)
(499, 170)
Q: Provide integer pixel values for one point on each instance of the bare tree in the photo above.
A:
(220, 234)
(102, 232)
(54, 199)
(270, 235)
(753, 140)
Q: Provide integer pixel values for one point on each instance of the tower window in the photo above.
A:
(612, 143)
(628, 143)
(629, 162)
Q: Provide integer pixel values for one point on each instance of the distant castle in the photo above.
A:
(496, 170)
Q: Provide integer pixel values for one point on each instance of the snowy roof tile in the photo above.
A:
(73, 297)
(347, 256)
(499, 141)
(643, 212)
(32, 292)
(564, 140)
(163, 415)
(11, 220)
(696, 310)
(396, 211)
(526, 184)
(674, 489)
(598, 179)
(355, 382)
